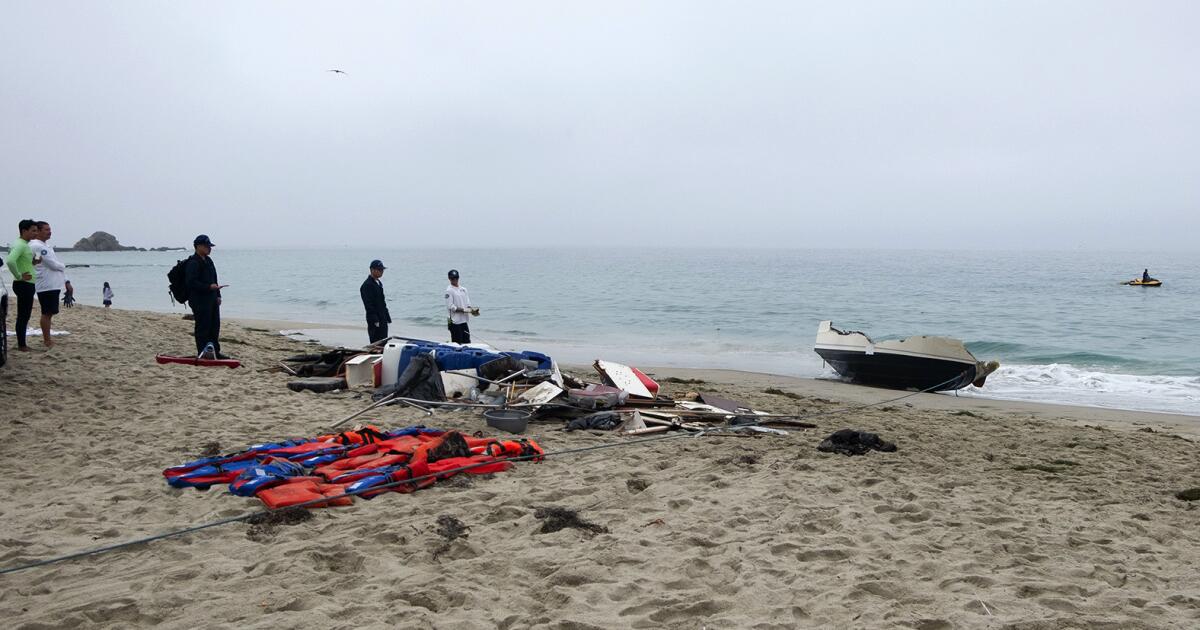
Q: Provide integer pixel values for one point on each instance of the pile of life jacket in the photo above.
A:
(340, 466)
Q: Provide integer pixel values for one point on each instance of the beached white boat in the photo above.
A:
(920, 363)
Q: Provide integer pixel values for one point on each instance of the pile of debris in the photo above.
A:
(514, 387)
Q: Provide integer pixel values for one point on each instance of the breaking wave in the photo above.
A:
(1069, 384)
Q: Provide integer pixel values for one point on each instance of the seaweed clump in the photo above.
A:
(556, 518)
(1191, 494)
(450, 529)
(779, 392)
(264, 524)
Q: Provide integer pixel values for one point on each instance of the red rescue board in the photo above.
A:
(163, 359)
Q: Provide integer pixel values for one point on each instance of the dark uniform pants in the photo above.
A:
(375, 333)
(207, 314)
(459, 333)
(25, 293)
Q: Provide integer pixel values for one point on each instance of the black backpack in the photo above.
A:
(178, 286)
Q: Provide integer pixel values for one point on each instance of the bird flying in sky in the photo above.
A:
(338, 71)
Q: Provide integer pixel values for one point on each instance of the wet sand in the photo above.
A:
(991, 514)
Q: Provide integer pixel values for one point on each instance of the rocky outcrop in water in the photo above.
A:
(101, 242)
(105, 242)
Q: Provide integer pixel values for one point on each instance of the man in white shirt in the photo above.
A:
(458, 306)
(50, 279)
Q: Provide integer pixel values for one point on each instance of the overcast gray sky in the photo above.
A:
(893, 124)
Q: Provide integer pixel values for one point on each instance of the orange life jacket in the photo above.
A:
(302, 490)
(368, 434)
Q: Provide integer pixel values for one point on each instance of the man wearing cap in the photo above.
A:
(204, 295)
(458, 306)
(371, 291)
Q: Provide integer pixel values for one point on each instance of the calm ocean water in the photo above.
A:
(1059, 322)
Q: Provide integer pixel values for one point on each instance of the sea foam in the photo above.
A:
(1068, 384)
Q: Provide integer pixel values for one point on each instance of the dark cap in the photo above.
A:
(203, 240)
(377, 264)
(453, 274)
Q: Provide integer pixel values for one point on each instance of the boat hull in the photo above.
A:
(899, 371)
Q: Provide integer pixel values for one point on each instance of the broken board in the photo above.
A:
(626, 378)
(541, 394)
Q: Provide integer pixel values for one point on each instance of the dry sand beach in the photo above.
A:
(990, 514)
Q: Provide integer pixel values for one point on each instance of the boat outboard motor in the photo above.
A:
(982, 370)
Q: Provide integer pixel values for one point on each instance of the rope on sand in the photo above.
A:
(393, 484)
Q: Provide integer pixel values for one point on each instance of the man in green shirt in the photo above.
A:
(20, 262)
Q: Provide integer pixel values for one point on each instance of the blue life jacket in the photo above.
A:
(269, 473)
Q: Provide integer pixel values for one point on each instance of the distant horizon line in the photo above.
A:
(687, 247)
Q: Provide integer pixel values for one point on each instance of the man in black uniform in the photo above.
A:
(371, 291)
(204, 295)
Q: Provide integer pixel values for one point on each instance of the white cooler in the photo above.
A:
(360, 371)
